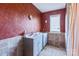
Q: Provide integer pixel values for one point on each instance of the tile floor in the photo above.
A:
(52, 51)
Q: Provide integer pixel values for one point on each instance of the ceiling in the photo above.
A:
(45, 7)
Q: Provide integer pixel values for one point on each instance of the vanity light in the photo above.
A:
(29, 17)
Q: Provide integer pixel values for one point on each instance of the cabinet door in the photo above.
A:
(44, 39)
(35, 47)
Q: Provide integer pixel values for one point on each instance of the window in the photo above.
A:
(55, 23)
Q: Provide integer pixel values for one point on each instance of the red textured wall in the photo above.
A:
(45, 27)
(14, 19)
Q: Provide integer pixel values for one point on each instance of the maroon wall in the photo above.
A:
(14, 19)
(45, 27)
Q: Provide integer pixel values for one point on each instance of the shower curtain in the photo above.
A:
(72, 29)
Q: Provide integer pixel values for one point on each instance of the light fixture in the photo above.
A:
(45, 21)
(29, 17)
